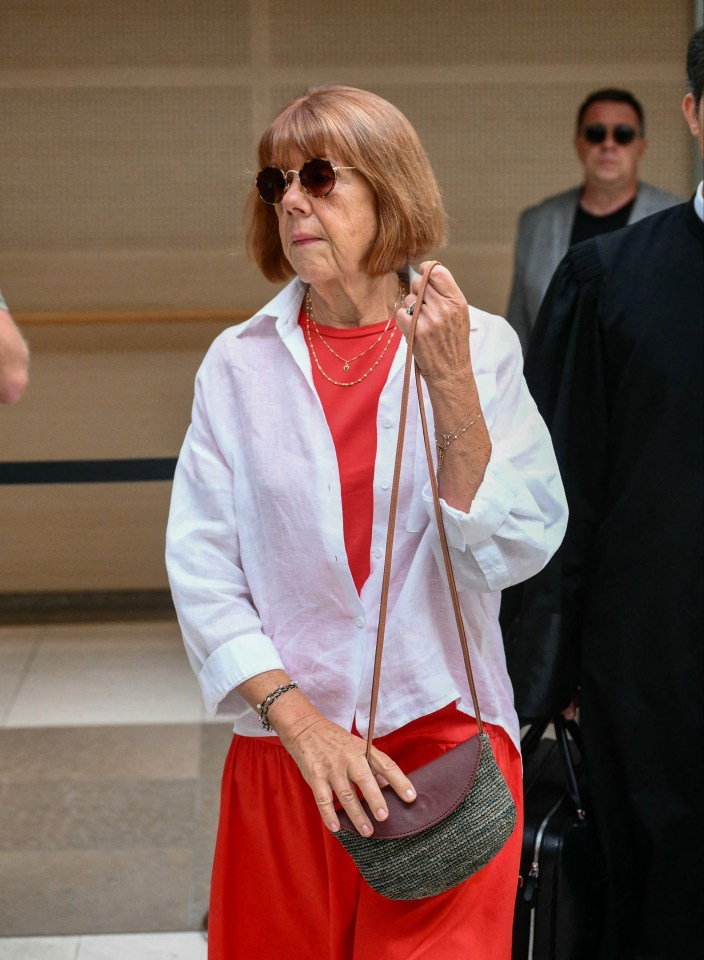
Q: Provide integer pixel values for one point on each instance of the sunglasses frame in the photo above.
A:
(288, 181)
(601, 131)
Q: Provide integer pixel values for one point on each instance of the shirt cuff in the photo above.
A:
(492, 503)
(232, 664)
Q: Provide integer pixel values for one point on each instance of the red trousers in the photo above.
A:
(284, 887)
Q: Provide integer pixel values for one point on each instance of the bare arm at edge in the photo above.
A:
(14, 360)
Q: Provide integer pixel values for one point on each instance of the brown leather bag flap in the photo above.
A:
(441, 786)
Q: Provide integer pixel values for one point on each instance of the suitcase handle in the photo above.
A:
(532, 737)
(561, 728)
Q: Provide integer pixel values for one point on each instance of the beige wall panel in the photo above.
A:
(136, 279)
(483, 273)
(474, 31)
(87, 168)
(106, 392)
(46, 34)
(83, 537)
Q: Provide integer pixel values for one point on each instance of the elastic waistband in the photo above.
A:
(446, 725)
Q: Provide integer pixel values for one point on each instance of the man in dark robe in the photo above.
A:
(616, 368)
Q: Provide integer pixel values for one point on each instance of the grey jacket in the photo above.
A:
(543, 240)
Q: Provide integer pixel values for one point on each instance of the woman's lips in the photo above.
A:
(302, 240)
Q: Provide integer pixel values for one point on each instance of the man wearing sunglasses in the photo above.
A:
(609, 141)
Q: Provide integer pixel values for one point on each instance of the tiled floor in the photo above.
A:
(109, 785)
(150, 946)
(89, 674)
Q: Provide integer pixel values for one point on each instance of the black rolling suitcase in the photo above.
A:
(559, 905)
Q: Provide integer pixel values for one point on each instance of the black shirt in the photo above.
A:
(587, 225)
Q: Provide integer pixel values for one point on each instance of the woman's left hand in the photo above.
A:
(441, 343)
(442, 351)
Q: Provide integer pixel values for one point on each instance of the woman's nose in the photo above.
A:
(295, 195)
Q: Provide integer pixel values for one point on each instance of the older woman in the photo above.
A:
(277, 536)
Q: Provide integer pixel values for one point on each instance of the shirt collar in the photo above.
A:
(283, 308)
(699, 201)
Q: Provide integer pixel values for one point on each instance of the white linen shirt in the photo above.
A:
(255, 546)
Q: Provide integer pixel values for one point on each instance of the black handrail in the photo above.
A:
(136, 470)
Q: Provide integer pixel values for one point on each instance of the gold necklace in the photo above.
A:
(349, 383)
(346, 361)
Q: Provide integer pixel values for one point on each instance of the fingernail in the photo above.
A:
(334, 827)
(411, 794)
(366, 829)
(381, 814)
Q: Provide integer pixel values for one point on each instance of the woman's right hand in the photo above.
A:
(333, 762)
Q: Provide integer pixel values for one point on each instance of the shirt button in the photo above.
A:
(384, 484)
(388, 423)
(378, 552)
(360, 621)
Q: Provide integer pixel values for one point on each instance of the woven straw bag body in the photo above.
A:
(409, 862)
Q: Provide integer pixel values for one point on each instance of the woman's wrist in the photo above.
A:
(451, 396)
(452, 381)
(270, 699)
(287, 714)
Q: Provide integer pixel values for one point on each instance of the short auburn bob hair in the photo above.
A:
(358, 129)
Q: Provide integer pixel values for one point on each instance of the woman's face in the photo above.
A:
(327, 239)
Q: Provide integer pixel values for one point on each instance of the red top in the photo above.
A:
(351, 413)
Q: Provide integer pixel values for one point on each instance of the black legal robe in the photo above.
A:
(616, 368)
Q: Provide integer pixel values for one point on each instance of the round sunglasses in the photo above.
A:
(623, 133)
(317, 177)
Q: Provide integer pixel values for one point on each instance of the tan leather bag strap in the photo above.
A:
(383, 606)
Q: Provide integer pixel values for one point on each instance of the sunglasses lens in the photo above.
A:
(624, 133)
(317, 177)
(595, 133)
(271, 184)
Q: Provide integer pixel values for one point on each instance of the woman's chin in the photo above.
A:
(308, 271)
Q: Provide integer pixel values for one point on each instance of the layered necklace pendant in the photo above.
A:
(311, 326)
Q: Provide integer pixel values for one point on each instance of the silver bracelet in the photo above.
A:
(263, 707)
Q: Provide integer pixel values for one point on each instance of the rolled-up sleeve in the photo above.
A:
(221, 629)
(518, 516)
